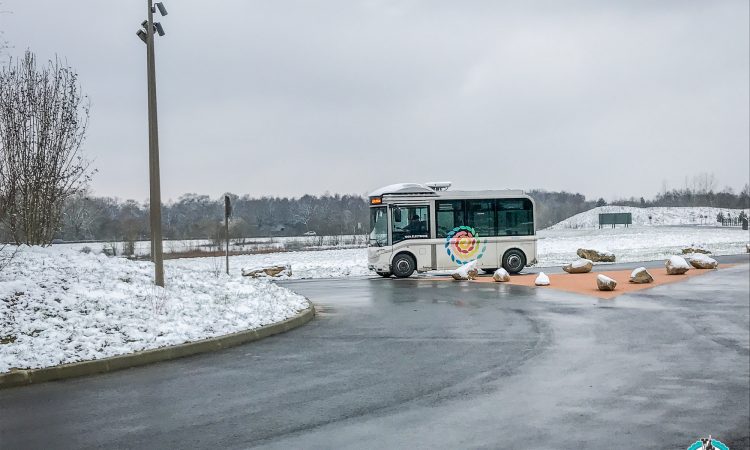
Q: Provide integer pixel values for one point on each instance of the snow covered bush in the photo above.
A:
(60, 306)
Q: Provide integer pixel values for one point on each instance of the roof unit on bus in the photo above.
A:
(438, 185)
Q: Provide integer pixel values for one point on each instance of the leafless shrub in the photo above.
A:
(159, 300)
(43, 120)
(217, 266)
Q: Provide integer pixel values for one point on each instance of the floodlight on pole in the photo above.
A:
(158, 28)
(162, 9)
(142, 34)
(147, 36)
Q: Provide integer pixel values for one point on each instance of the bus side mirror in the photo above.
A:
(397, 214)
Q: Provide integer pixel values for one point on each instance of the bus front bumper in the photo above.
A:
(379, 260)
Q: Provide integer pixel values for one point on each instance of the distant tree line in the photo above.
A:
(687, 197)
(698, 191)
(194, 216)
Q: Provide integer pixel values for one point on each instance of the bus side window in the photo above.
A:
(449, 214)
(480, 215)
(515, 217)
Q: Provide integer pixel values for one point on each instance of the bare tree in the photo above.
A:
(703, 183)
(43, 119)
(303, 210)
(79, 215)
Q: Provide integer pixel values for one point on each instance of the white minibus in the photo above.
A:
(422, 227)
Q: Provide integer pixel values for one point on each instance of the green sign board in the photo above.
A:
(615, 219)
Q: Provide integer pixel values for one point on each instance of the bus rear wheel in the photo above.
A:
(384, 274)
(403, 265)
(514, 261)
(489, 270)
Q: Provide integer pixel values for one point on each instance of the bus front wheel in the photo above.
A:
(514, 261)
(403, 265)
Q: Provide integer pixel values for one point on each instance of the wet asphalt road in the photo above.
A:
(423, 363)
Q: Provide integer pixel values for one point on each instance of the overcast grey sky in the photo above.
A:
(606, 98)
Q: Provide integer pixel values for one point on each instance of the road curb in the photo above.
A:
(83, 368)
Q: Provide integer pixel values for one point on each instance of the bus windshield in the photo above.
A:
(378, 226)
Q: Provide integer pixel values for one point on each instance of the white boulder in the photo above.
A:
(676, 265)
(640, 276)
(579, 266)
(605, 283)
(542, 279)
(596, 255)
(501, 275)
(270, 271)
(467, 271)
(702, 261)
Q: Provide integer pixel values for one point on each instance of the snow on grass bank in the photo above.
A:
(60, 306)
(673, 216)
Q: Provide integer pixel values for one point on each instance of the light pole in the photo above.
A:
(147, 36)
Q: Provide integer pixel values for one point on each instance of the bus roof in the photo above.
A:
(402, 188)
(416, 190)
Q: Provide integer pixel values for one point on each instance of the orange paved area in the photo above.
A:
(585, 283)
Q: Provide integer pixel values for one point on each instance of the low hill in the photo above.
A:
(650, 216)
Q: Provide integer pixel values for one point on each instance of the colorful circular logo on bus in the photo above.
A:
(463, 245)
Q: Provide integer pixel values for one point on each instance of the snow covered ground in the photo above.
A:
(650, 216)
(637, 243)
(555, 247)
(305, 264)
(60, 306)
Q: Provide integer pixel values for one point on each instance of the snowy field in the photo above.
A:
(674, 216)
(637, 243)
(60, 306)
(555, 247)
